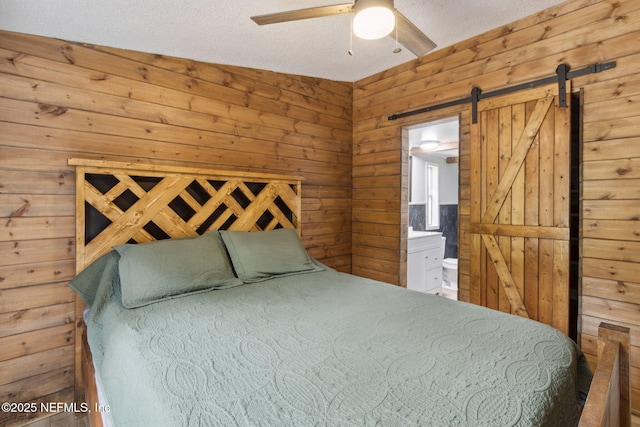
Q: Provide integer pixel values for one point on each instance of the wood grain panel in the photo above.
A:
(35, 364)
(34, 319)
(31, 342)
(17, 275)
(35, 296)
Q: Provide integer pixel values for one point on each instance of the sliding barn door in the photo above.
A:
(520, 193)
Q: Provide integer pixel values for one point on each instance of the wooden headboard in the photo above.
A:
(118, 202)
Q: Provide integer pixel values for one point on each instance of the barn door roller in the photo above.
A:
(562, 75)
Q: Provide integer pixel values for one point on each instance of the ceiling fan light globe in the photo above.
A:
(374, 23)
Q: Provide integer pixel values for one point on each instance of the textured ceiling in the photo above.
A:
(220, 31)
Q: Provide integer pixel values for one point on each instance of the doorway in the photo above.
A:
(433, 159)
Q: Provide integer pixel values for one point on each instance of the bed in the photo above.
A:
(262, 334)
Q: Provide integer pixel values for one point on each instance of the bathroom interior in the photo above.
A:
(432, 261)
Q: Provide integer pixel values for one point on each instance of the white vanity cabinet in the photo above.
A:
(424, 261)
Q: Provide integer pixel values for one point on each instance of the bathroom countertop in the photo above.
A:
(415, 234)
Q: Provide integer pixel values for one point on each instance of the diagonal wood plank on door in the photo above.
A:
(517, 159)
(509, 285)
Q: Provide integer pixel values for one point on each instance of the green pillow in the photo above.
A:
(164, 269)
(258, 256)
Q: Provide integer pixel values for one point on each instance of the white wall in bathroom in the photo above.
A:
(448, 183)
(418, 181)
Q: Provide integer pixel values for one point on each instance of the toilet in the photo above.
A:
(450, 274)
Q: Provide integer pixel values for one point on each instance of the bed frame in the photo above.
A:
(120, 202)
(609, 400)
(135, 203)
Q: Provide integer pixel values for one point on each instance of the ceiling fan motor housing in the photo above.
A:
(364, 4)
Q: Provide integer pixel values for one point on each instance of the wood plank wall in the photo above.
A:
(60, 100)
(578, 33)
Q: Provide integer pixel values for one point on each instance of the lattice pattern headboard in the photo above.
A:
(120, 202)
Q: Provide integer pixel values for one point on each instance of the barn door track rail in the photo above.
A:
(562, 75)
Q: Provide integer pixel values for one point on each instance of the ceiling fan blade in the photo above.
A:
(295, 15)
(411, 37)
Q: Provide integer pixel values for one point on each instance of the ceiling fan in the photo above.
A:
(405, 32)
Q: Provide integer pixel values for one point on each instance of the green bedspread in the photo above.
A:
(326, 349)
